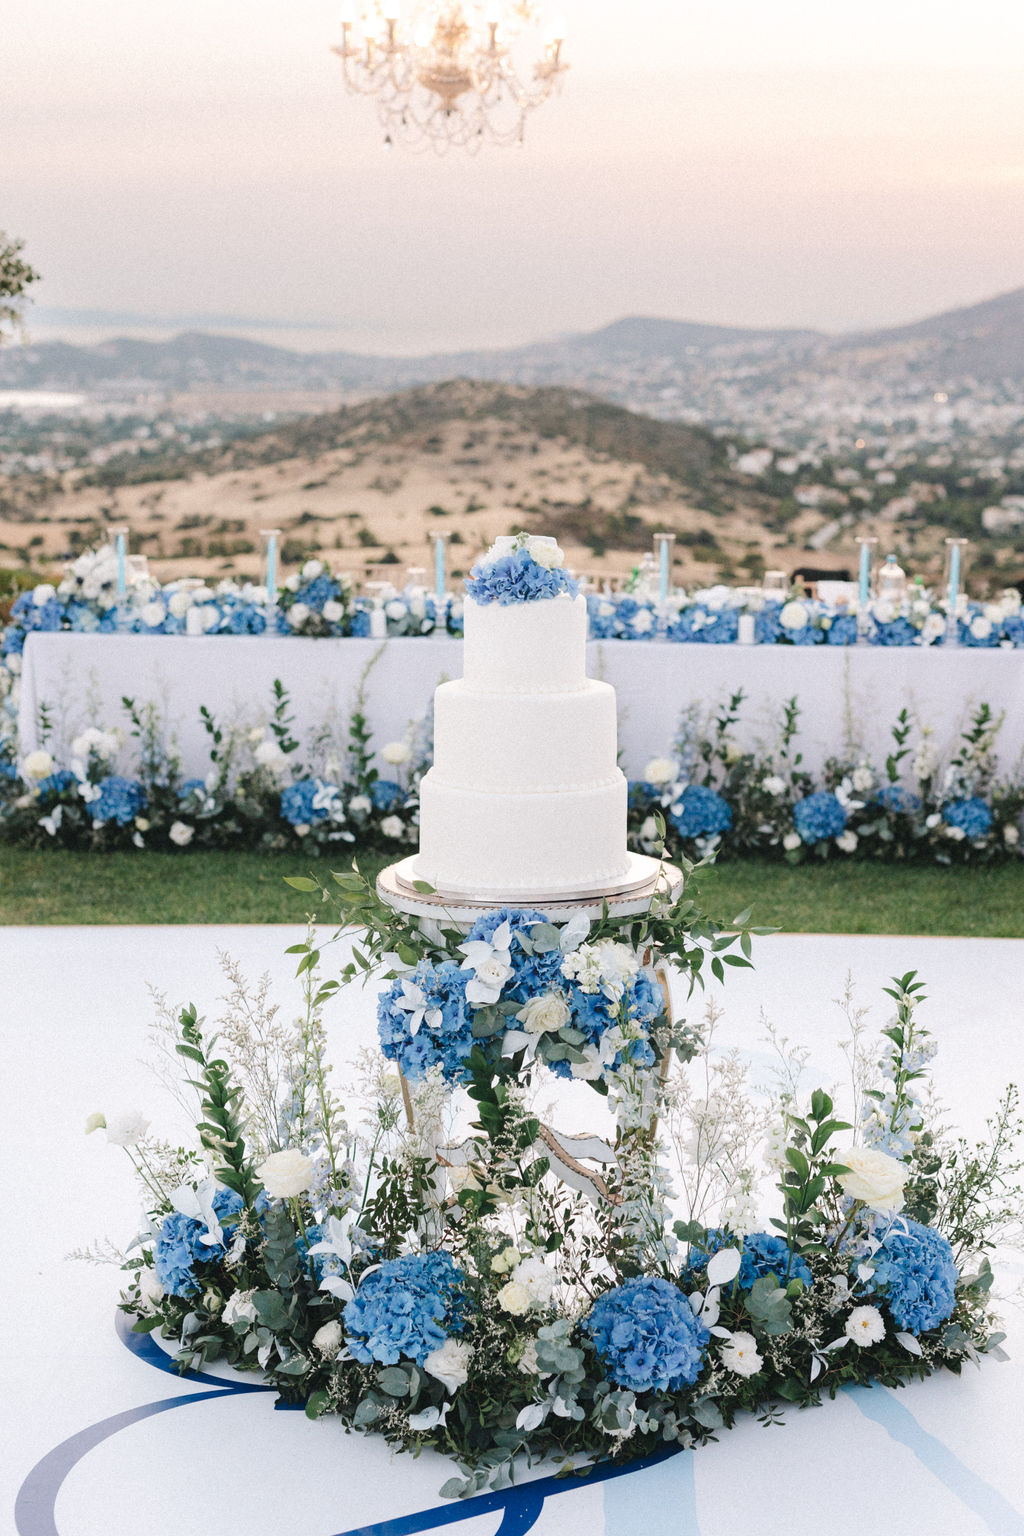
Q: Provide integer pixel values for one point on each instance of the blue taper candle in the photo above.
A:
(663, 574)
(122, 578)
(440, 582)
(865, 573)
(272, 567)
(954, 576)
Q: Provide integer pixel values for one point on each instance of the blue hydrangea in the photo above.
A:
(189, 788)
(843, 630)
(601, 624)
(705, 626)
(916, 1274)
(895, 632)
(56, 783)
(593, 1013)
(297, 803)
(386, 794)
(322, 589)
(405, 1309)
(534, 973)
(768, 625)
(818, 817)
(973, 816)
(647, 1336)
(119, 800)
(179, 1249)
(895, 798)
(448, 1042)
(517, 578)
(762, 1254)
(699, 812)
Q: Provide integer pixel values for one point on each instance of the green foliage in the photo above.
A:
(16, 277)
(221, 1128)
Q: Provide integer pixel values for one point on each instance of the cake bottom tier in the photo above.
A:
(496, 846)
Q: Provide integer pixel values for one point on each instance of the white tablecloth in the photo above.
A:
(842, 692)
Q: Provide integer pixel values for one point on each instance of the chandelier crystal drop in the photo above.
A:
(450, 73)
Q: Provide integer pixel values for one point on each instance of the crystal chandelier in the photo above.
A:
(443, 72)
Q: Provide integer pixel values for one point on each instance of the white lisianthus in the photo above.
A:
(179, 603)
(981, 628)
(449, 1364)
(536, 1279)
(360, 805)
(774, 785)
(1011, 835)
(181, 833)
(395, 752)
(333, 612)
(514, 1298)
(393, 826)
(873, 1177)
(794, 616)
(298, 613)
(240, 1308)
(739, 1354)
(286, 1174)
(791, 841)
(660, 770)
(95, 1122)
(312, 569)
(37, 765)
(865, 1326)
(328, 1339)
(548, 1012)
(847, 842)
(127, 1128)
(546, 552)
(151, 1292)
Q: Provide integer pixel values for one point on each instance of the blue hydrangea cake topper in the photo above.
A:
(521, 568)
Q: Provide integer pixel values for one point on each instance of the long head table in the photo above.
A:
(81, 680)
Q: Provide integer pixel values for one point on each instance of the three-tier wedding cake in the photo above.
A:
(524, 797)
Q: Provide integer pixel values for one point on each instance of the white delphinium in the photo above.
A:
(607, 966)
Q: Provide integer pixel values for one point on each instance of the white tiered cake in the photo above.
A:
(524, 797)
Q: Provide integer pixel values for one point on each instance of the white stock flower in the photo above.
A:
(862, 778)
(606, 966)
(865, 1326)
(449, 1364)
(395, 752)
(286, 1174)
(874, 1177)
(151, 1292)
(127, 1128)
(515, 1298)
(393, 826)
(1011, 835)
(660, 770)
(791, 841)
(773, 785)
(37, 765)
(95, 1122)
(328, 1339)
(794, 616)
(546, 552)
(739, 1354)
(847, 841)
(547, 1012)
(240, 1309)
(181, 833)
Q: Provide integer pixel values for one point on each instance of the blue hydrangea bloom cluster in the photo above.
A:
(119, 800)
(405, 1309)
(973, 816)
(762, 1254)
(647, 1336)
(386, 794)
(55, 784)
(916, 1275)
(297, 803)
(179, 1249)
(895, 632)
(534, 973)
(843, 630)
(449, 1044)
(517, 578)
(895, 798)
(593, 1013)
(819, 816)
(699, 812)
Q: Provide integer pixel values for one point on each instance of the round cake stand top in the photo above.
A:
(646, 878)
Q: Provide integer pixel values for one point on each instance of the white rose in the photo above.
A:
(393, 826)
(328, 1339)
(333, 612)
(179, 603)
(311, 570)
(95, 1122)
(847, 842)
(874, 1177)
(360, 805)
(127, 1128)
(994, 612)
(181, 833)
(1011, 835)
(396, 609)
(739, 1354)
(298, 613)
(286, 1174)
(151, 1292)
(43, 593)
(540, 1014)
(449, 1364)
(981, 627)
(884, 612)
(514, 1298)
(493, 972)
(395, 752)
(546, 553)
(660, 770)
(152, 614)
(240, 1309)
(791, 840)
(793, 616)
(536, 1279)
(865, 1326)
(773, 785)
(37, 765)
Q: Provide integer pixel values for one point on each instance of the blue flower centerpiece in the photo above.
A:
(405, 1309)
(761, 1254)
(520, 569)
(647, 1335)
(916, 1275)
(818, 817)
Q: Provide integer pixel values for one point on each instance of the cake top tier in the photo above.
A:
(520, 568)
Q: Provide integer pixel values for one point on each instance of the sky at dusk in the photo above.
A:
(745, 163)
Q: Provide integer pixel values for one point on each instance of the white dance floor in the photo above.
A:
(938, 1458)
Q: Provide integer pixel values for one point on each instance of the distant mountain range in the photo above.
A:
(983, 343)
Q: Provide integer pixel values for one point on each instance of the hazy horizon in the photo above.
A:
(791, 168)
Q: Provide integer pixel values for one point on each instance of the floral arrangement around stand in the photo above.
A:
(452, 1272)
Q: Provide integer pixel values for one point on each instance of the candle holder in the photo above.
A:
(892, 581)
(440, 568)
(663, 544)
(867, 547)
(269, 538)
(956, 597)
(775, 585)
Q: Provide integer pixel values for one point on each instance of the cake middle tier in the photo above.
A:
(524, 743)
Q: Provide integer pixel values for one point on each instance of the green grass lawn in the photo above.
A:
(56, 886)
